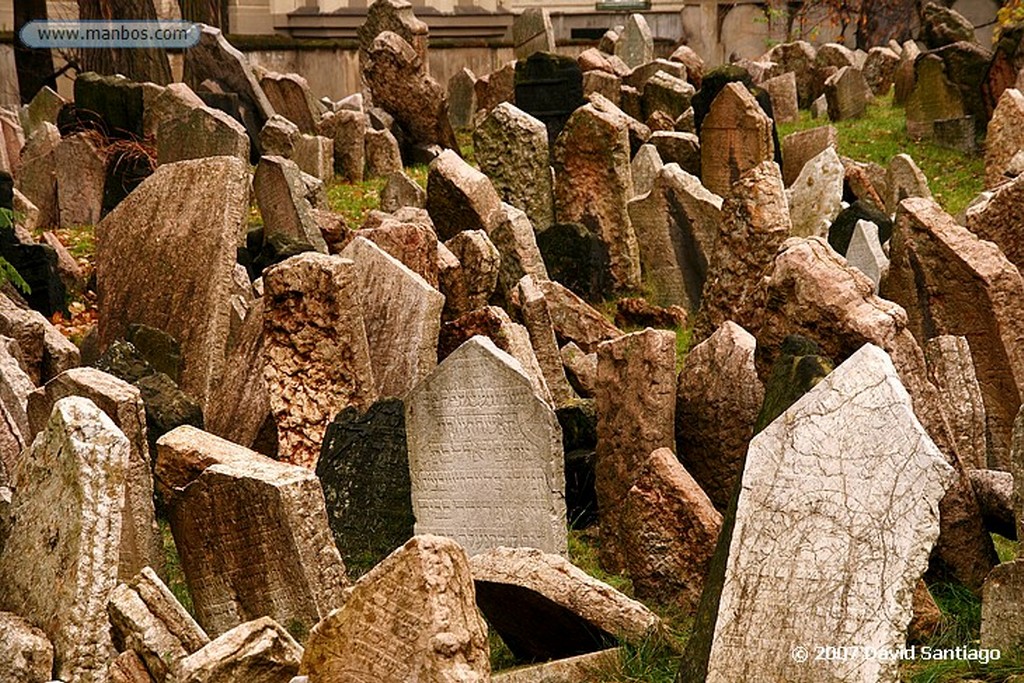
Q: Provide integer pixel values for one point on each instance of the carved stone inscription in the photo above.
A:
(485, 454)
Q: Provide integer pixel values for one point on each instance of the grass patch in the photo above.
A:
(583, 550)
(501, 657)
(1005, 548)
(172, 563)
(355, 201)
(955, 179)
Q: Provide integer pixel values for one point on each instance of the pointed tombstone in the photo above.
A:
(1000, 219)
(401, 190)
(290, 97)
(485, 454)
(61, 556)
(951, 369)
(533, 308)
(865, 253)
(635, 416)
(718, 398)
(544, 608)
(239, 565)
(364, 471)
(1005, 136)
(815, 197)
(316, 356)
(402, 317)
(755, 223)
(593, 185)
(141, 545)
(513, 235)
(281, 197)
(411, 618)
(951, 282)
(511, 148)
(532, 32)
(183, 247)
(904, 179)
(796, 565)
(644, 168)
(636, 44)
(676, 227)
(736, 136)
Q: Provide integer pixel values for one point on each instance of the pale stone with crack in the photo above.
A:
(837, 513)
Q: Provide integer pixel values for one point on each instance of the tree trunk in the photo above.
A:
(138, 64)
(34, 67)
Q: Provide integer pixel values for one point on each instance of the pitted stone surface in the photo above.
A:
(485, 454)
(815, 197)
(807, 525)
(411, 618)
(951, 369)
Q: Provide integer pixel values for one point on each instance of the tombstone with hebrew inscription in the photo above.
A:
(485, 454)
(837, 513)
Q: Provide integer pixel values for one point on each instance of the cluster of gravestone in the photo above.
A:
(369, 442)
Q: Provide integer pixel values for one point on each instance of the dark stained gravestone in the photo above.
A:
(576, 258)
(841, 230)
(37, 265)
(549, 87)
(364, 471)
(234, 106)
(115, 100)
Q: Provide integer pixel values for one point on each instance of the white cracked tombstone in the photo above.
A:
(485, 454)
(815, 197)
(865, 252)
(60, 561)
(836, 516)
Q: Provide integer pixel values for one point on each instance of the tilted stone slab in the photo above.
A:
(60, 560)
(258, 651)
(836, 517)
(412, 617)
(240, 566)
(485, 454)
(736, 136)
(951, 369)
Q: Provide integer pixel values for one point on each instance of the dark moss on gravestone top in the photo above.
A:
(797, 369)
(232, 105)
(578, 421)
(841, 231)
(549, 87)
(364, 471)
(576, 258)
(718, 78)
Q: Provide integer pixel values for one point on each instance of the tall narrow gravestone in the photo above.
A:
(835, 518)
(485, 454)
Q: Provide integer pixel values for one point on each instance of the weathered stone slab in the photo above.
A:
(846, 93)
(282, 199)
(644, 168)
(934, 97)
(37, 178)
(735, 136)
(348, 131)
(485, 454)
(470, 285)
(636, 43)
(904, 179)
(951, 282)
(580, 370)
(798, 57)
(140, 538)
(718, 397)
(401, 190)
(635, 416)
(402, 317)
(543, 607)
(951, 370)
(815, 197)
(258, 651)
(459, 197)
(383, 155)
(182, 247)
(412, 617)
(410, 239)
(496, 87)
(797, 548)
(800, 147)
(1004, 137)
(1001, 627)
(994, 491)
(15, 387)
(782, 90)
(865, 252)
(127, 667)
(511, 148)
(1000, 219)
(574, 319)
(462, 99)
(880, 69)
(364, 470)
(317, 358)
(238, 565)
(578, 669)
(81, 174)
(532, 32)
(44, 107)
(396, 16)
(60, 558)
(533, 310)
(201, 132)
(593, 185)
(26, 655)
(670, 528)
(513, 235)
(290, 96)
(666, 93)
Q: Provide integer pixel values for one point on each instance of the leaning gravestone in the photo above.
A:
(636, 44)
(60, 560)
(485, 454)
(865, 252)
(364, 471)
(549, 87)
(846, 93)
(933, 98)
(836, 517)
(532, 32)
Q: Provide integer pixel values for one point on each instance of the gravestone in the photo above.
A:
(348, 131)
(782, 90)
(798, 57)
(880, 70)
(574, 319)
(290, 97)
(396, 16)
(951, 369)
(533, 310)
(644, 168)
(459, 197)
(496, 87)
(815, 197)
(790, 570)
(549, 87)
(37, 178)
(61, 554)
(593, 185)
(239, 565)
(800, 147)
(364, 471)
(636, 44)
(736, 136)
(532, 32)
(635, 416)
(469, 286)
(316, 356)
(183, 247)
(81, 174)
(462, 99)
(114, 100)
(260, 651)
(411, 618)
(383, 155)
(666, 93)
(401, 190)
(1000, 219)
(846, 93)
(511, 148)
(514, 236)
(485, 454)
(281, 196)
(26, 654)
(1005, 136)
(904, 179)
(401, 313)
(934, 97)
(576, 258)
(865, 252)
